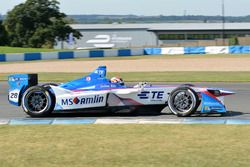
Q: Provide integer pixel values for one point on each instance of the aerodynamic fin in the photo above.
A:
(100, 71)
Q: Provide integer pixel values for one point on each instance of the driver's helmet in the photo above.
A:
(117, 80)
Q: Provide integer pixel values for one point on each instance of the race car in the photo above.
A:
(96, 92)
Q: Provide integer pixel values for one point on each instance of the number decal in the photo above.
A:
(14, 96)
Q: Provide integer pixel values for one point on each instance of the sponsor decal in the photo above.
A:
(215, 107)
(108, 40)
(82, 101)
(113, 85)
(11, 79)
(88, 78)
(212, 108)
(152, 95)
(76, 100)
(99, 71)
(105, 86)
(17, 79)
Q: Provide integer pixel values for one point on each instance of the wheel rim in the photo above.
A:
(36, 101)
(183, 101)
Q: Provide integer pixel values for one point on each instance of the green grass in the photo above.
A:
(4, 50)
(125, 145)
(152, 76)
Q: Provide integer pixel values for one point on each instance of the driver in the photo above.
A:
(117, 80)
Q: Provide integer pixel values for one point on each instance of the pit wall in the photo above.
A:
(124, 52)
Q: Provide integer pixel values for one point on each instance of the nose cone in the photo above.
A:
(226, 93)
(218, 92)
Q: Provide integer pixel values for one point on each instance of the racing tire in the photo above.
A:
(37, 101)
(183, 101)
(187, 85)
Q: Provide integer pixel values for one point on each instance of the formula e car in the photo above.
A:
(95, 91)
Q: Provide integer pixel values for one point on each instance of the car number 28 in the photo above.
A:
(14, 95)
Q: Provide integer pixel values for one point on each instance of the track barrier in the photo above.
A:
(125, 52)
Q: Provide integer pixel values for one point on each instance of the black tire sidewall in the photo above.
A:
(49, 97)
(192, 110)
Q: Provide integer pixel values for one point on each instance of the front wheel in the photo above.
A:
(183, 101)
(38, 102)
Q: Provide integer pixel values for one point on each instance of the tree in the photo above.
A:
(3, 35)
(37, 23)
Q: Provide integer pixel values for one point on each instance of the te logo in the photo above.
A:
(153, 95)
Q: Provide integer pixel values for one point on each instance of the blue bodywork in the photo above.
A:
(94, 81)
(18, 82)
(210, 104)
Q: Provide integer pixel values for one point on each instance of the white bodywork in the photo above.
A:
(67, 100)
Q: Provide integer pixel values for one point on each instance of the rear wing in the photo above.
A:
(18, 84)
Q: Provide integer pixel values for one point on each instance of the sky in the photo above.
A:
(146, 7)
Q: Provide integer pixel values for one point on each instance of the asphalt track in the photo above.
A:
(237, 105)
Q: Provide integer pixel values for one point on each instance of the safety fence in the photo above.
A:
(125, 52)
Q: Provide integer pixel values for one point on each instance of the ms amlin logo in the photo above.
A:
(81, 101)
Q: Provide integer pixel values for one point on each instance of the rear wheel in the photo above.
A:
(37, 101)
(183, 101)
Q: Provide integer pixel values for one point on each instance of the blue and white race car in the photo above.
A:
(96, 92)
